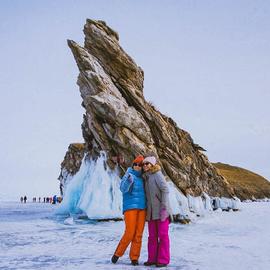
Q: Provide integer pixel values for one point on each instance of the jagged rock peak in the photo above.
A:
(104, 27)
(121, 122)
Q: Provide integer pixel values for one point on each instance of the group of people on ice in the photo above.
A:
(53, 200)
(23, 199)
(145, 198)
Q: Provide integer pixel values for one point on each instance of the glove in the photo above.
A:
(163, 214)
(130, 179)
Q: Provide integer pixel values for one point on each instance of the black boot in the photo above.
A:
(134, 262)
(161, 265)
(149, 263)
(114, 259)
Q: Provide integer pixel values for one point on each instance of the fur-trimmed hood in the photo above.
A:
(155, 168)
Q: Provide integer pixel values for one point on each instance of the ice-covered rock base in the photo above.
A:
(94, 192)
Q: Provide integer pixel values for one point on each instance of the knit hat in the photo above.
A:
(138, 159)
(151, 160)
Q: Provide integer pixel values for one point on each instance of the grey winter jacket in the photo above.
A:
(157, 193)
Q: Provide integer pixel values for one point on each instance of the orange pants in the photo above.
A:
(134, 221)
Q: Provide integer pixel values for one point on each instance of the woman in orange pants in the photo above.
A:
(134, 209)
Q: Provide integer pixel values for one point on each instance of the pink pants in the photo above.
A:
(158, 241)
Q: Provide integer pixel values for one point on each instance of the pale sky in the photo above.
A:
(206, 65)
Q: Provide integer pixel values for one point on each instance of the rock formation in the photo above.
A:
(121, 122)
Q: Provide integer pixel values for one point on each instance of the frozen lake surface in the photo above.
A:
(31, 237)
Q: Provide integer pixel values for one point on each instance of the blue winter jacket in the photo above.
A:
(133, 190)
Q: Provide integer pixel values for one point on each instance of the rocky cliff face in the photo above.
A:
(120, 121)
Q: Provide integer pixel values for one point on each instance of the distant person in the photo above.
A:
(44, 200)
(61, 189)
(50, 199)
(47, 200)
(39, 199)
(22, 199)
(134, 209)
(25, 199)
(54, 201)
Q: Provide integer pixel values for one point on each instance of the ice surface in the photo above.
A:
(178, 201)
(31, 237)
(196, 205)
(207, 202)
(227, 203)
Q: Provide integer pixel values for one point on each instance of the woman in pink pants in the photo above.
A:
(158, 213)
